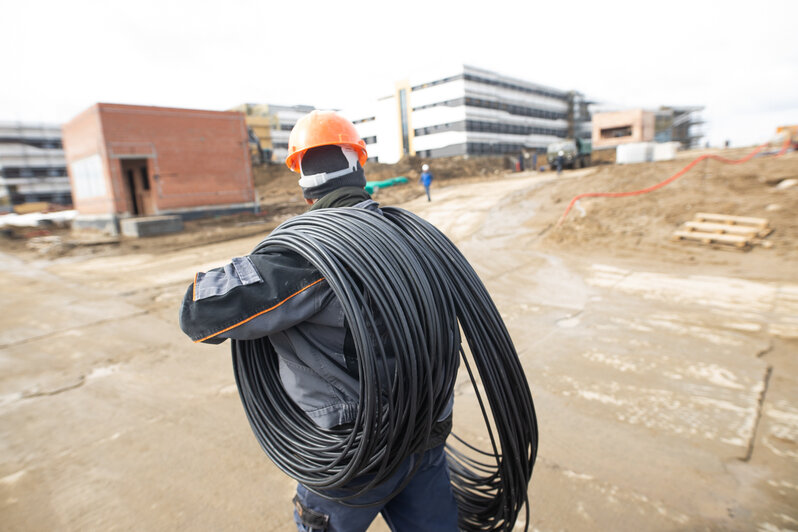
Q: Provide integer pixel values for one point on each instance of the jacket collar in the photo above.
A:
(341, 197)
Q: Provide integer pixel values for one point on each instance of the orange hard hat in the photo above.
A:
(322, 128)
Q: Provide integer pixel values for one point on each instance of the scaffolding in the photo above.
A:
(32, 165)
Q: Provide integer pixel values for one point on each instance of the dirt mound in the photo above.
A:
(443, 169)
(277, 188)
(643, 224)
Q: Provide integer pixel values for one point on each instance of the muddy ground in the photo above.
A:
(664, 373)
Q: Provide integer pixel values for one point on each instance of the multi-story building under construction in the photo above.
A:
(32, 165)
(679, 124)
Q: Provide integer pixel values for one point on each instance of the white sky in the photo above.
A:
(737, 58)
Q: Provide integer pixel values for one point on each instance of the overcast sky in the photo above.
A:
(739, 59)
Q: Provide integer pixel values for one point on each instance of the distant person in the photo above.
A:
(520, 165)
(426, 179)
(535, 161)
(559, 162)
(726, 144)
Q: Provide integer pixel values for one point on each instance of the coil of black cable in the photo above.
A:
(399, 279)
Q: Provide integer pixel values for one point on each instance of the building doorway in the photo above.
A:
(136, 178)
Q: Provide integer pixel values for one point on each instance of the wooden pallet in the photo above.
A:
(731, 220)
(741, 232)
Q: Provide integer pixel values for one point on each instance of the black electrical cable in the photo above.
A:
(404, 287)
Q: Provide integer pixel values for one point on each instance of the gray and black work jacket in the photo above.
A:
(282, 296)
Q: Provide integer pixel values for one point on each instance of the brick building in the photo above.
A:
(666, 124)
(127, 160)
(622, 127)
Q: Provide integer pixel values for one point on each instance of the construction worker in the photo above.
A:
(426, 179)
(280, 295)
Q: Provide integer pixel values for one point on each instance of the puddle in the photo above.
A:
(568, 323)
(97, 373)
(12, 478)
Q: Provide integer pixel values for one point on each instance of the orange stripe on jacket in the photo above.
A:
(261, 312)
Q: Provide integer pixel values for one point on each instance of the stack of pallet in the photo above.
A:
(741, 232)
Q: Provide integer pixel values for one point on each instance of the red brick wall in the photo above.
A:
(195, 158)
(82, 137)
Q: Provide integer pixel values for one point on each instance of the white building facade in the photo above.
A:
(32, 165)
(468, 111)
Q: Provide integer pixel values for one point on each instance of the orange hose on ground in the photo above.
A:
(672, 178)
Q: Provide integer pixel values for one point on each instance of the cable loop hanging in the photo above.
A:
(406, 291)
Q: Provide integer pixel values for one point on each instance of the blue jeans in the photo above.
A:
(426, 504)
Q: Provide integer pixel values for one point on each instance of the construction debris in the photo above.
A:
(741, 232)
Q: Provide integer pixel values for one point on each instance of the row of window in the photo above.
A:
(489, 127)
(440, 128)
(515, 87)
(616, 132)
(514, 109)
(478, 149)
(436, 82)
(59, 198)
(513, 129)
(485, 148)
(48, 144)
(518, 110)
(495, 83)
(457, 102)
(47, 171)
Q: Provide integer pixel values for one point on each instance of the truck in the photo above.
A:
(575, 153)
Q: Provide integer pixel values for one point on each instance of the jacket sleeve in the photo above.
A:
(252, 297)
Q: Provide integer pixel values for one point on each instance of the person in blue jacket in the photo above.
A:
(426, 179)
(280, 295)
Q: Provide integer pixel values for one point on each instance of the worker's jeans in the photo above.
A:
(426, 504)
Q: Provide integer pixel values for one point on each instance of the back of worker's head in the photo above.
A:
(326, 149)
(326, 168)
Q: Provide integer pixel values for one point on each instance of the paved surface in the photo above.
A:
(665, 401)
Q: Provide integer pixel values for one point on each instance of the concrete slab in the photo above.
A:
(143, 226)
(108, 224)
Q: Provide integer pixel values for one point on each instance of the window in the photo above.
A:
(88, 176)
(616, 132)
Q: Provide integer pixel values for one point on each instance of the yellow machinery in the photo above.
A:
(260, 122)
